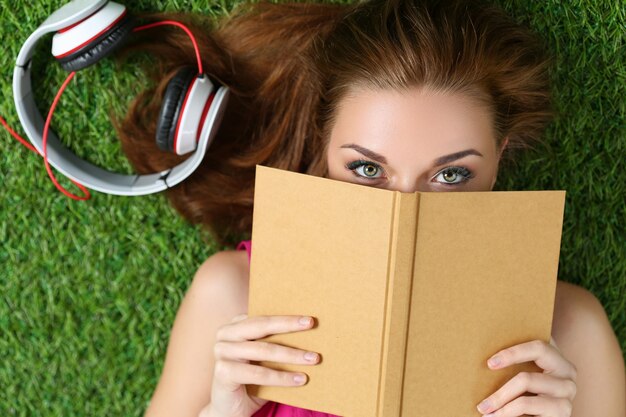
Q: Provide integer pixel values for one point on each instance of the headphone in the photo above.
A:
(85, 32)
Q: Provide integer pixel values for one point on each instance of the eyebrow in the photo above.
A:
(454, 156)
(439, 161)
(369, 153)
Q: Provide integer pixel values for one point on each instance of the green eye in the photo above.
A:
(450, 176)
(365, 169)
(453, 175)
(369, 170)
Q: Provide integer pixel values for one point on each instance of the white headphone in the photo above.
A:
(87, 31)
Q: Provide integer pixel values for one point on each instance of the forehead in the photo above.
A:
(415, 121)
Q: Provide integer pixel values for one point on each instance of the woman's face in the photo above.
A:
(416, 140)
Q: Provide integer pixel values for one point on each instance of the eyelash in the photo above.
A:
(465, 173)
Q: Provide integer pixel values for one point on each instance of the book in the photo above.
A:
(411, 292)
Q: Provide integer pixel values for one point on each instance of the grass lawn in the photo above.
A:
(89, 290)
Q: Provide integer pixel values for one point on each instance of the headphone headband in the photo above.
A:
(67, 162)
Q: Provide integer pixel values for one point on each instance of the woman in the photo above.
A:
(402, 95)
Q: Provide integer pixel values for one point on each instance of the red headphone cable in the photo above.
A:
(183, 27)
(45, 146)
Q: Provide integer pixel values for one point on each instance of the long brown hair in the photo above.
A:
(288, 65)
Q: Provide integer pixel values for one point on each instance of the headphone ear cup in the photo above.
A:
(171, 108)
(100, 47)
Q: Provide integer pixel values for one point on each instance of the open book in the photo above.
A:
(411, 292)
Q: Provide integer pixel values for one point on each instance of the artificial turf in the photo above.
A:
(89, 290)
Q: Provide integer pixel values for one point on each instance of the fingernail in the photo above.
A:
(494, 361)
(310, 356)
(305, 321)
(299, 379)
(484, 406)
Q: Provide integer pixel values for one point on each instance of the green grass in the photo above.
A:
(89, 290)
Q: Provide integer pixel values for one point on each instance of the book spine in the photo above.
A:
(398, 297)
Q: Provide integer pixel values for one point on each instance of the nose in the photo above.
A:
(408, 184)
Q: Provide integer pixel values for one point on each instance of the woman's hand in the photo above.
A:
(236, 346)
(555, 387)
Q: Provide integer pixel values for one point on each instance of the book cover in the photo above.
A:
(411, 292)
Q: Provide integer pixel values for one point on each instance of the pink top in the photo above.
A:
(272, 409)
